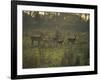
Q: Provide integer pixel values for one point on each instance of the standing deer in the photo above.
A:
(36, 38)
(58, 38)
(45, 40)
(72, 40)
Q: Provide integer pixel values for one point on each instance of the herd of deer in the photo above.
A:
(54, 40)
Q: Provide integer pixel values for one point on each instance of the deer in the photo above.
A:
(58, 38)
(36, 38)
(60, 41)
(72, 40)
(45, 40)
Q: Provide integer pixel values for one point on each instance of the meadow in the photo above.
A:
(53, 39)
(52, 55)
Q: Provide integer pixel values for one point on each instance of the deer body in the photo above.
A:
(72, 40)
(36, 40)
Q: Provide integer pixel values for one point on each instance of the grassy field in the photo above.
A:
(63, 41)
(67, 54)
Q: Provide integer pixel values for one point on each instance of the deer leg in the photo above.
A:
(32, 43)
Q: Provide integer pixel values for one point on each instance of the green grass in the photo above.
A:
(63, 55)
